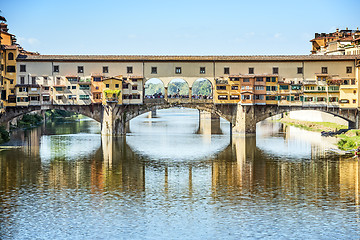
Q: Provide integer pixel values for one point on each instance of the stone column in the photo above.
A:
(166, 94)
(245, 120)
(112, 124)
(190, 93)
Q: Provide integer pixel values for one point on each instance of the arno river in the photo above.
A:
(172, 179)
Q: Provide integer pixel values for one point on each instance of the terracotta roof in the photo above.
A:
(149, 58)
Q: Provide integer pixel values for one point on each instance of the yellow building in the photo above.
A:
(222, 90)
(112, 90)
(348, 93)
(272, 94)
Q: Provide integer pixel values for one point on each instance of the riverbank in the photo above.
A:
(347, 141)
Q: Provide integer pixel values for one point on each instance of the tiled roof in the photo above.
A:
(149, 58)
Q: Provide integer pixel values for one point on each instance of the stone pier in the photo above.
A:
(113, 122)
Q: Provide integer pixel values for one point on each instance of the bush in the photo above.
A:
(4, 135)
(29, 120)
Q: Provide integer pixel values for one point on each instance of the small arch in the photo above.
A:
(10, 56)
(154, 88)
(202, 89)
(178, 88)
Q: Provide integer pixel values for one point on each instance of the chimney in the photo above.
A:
(347, 29)
(3, 27)
(337, 30)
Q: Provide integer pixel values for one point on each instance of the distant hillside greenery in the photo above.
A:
(201, 87)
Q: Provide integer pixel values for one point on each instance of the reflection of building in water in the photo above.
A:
(234, 166)
(349, 175)
(121, 168)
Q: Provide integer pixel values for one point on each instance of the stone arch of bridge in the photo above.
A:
(197, 84)
(266, 112)
(91, 111)
(131, 114)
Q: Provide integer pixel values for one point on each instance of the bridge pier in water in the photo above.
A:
(113, 121)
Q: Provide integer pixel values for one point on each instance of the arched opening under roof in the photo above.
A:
(154, 88)
(202, 89)
(178, 88)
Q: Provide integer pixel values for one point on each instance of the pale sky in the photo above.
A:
(190, 27)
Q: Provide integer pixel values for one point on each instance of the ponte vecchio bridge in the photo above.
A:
(245, 89)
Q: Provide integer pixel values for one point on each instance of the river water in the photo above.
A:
(170, 178)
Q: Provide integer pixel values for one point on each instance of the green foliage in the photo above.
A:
(202, 87)
(110, 93)
(348, 143)
(4, 135)
(29, 120)
(153, 88)
(56, 115)
(181, 88)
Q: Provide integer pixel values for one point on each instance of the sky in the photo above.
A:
(157, 27)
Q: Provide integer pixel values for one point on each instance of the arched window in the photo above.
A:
(10, 56)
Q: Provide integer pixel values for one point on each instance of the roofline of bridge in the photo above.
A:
(165, 58)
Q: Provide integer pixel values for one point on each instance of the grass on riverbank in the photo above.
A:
(313, 126)
(347, 141)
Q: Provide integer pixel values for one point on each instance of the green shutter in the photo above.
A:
(292, 98)
(301, 98)
(287, 98)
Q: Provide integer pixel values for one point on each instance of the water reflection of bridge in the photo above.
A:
(241, 166)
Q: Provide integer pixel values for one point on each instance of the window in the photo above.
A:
(84, 87)
(234, 97)
(222, 97)
(11, 81)
(202, 70)
(46, 98)
(259, 79)
(259, 87)
(68, 87)
(153, 70)
(59, 89)
(129, 70)
(273, 79)
(220, 87)
(125, 86)
(267, 79)
(246, 80)
(348, 69)
(46, 88)
(80, 69)
(295, 87)
(97, 79)
(105, 69)
(116, 85)
(273, 88)
(22, 68)
(136, 96)
(226, 70)
(73, 87)
(245, 97)
(10, 56)
(354, 100)
(333, 88)
(321, 88)
(284, 87)
(275, 70)
(134, 87)
(352, 81)
(251, 70)
(56, 68)
(33, 80)
(84, 97)
(178, 70)
(234, 87)
(300, 70)
(107, 85)
(22, 80)
(259, 97)
(324, 70)
(10, 69)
